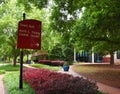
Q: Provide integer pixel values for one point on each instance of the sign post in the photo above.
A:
(21, 68)
(29, 37)
(21, 64)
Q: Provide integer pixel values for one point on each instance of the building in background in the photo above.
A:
(84, 56)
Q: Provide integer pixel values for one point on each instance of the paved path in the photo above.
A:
(102, 87)
(108, 89)
(2, 90)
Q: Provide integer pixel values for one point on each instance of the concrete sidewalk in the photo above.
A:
(108, 89)
(2, 89)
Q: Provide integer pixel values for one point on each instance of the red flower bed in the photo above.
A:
(52, 62)
(57, 62)
(47, 62)
(49, 82)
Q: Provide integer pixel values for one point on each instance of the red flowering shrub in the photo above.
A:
(52, 62)
(49, 82)
(57, 63)
(47, 62)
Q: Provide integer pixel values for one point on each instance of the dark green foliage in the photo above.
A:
(1, 1)
(38, 3)
(99, 25)
(62, 52)
(63, 15)
(56, 53)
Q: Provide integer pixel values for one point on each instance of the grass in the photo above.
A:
(10, 67)
(107, 74)
(55, 68)
(11, 81)
(101, 93)
(2, 71)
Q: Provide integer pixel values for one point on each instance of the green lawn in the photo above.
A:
(2, 71)
(11, 81)
(9, 67)
(55, 68)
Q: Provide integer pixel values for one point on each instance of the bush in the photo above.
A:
(49, 82)
(52, 62)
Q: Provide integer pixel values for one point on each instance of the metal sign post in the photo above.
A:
(21, 64)
(29, 37)
(21, 68)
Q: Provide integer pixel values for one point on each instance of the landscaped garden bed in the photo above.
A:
(103, 73)
(52, 62)
(50, 82)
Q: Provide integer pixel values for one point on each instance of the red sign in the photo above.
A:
(29, 34)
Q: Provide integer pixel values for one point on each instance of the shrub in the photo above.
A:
(47, 62)
(50, 82)
(57, 63)
(52, 62)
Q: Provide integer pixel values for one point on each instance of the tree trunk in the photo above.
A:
(5, 58)
(111, 58)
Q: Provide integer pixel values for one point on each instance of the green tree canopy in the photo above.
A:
(10, 15)
(100, 24)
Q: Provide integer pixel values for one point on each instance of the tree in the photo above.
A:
(64, 13)
(100, 24)
(9, 19)
(11, 14)
(29, 3)
(51, 37)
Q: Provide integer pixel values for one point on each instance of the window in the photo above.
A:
(118, 54)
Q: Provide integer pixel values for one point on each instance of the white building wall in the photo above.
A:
(115, 58)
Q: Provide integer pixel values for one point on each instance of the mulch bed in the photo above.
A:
(106, 74)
